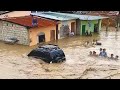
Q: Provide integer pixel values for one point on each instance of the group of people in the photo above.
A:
(94, 42)
(103, 53)
(88, 33)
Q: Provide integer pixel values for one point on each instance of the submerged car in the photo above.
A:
(48, 53)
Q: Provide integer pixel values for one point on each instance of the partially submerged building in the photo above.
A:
(80, 23)
(31, 28)
(65, 24)
(22, 28)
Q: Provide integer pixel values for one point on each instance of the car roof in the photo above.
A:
(49, 46)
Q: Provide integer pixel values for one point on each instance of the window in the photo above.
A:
(34, 22)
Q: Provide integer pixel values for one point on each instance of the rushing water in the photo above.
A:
(14, 62)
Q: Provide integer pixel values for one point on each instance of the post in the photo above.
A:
(107, 26)
(57, 31)
(98, 26)
(117, 21)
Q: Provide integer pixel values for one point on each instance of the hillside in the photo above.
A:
(112, 17)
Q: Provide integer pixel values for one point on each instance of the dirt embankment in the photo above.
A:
(112, 19)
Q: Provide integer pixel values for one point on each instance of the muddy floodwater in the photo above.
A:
(14, 63)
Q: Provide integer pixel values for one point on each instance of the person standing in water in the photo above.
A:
(100, 54)
(104, 53)
(86, 43)
(94, 54)
(116, 58)
(90, 33)
(87, 33)
(93, 43)
(90, 53)
(112, 56)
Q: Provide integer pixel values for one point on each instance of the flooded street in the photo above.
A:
(14, 63)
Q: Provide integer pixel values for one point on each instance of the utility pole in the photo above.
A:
(118, 21)
(108, 23)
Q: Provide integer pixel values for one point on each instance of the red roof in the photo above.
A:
(27, 21)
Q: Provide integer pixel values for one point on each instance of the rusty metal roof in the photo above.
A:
(27, 21)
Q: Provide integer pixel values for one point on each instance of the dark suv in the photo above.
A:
(48, 53)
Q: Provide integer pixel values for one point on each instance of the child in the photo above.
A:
(116, 58)
(90, 53)
(100, 54)
(112, 56)
(94, 53)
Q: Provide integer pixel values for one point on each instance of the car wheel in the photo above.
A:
(59, 61)
(47, 61)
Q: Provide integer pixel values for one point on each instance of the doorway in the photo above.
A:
(41, 37)
(96, 28)
(73, 27)
(83, 29)
(52, 35)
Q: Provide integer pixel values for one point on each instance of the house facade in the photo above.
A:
(65, 24)
(78, 24)
(65, 27)
(22, 29)
(50, 26)
(10, 30)
(88, 25)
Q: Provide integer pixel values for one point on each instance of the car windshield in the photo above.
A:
(56, 53)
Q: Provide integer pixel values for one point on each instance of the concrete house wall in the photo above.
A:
(10, 30)
(65, 23)
(92, 25)
(34, 32)
(78, 27)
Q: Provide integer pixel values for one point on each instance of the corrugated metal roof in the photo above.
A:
(66, 16)
(54, 16)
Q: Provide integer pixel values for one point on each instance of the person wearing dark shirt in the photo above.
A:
(100, 54)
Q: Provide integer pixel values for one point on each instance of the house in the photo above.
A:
(24, 30)
(31, 28)
(65, 24)
(75, 23)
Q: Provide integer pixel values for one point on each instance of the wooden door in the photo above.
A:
(52, 35)
(83, 29)
(95, 27)
(73, 27)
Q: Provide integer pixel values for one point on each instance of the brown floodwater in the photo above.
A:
(14, 63)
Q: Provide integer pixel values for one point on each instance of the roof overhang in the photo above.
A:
(71, 16)
(65, 18)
